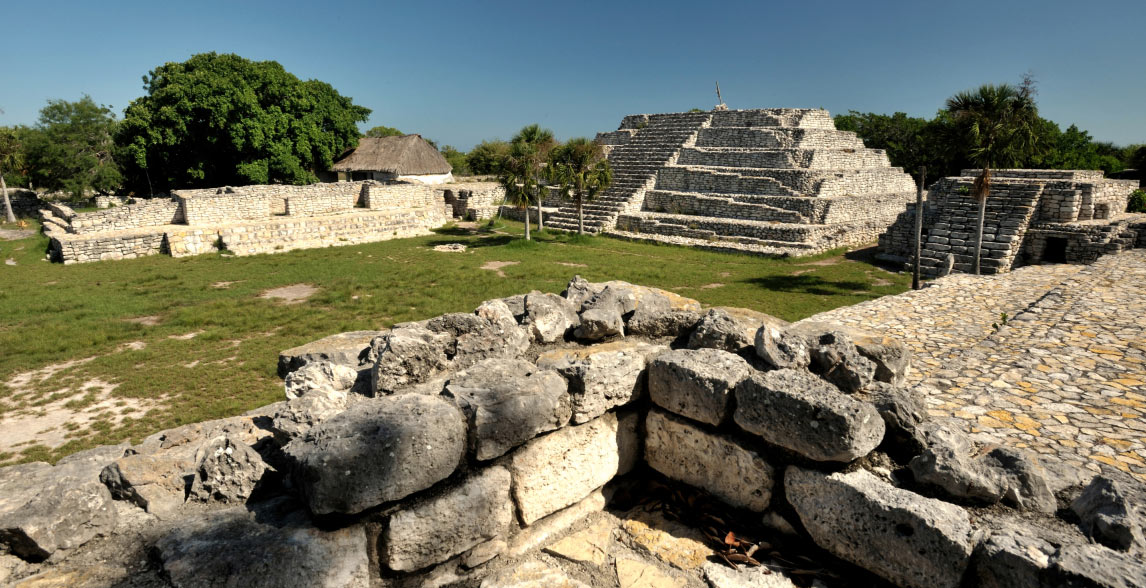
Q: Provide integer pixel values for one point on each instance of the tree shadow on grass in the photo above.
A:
(806, 284)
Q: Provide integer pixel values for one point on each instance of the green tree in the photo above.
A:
(384, 132)
(518, 175)
(72, 152)
(532, 145)
(998, 125)
(486, 156)
(457, 160)
(12, 158)
(222, 119)
(581, 172)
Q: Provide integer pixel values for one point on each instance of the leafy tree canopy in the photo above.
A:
(72, 148)
(384, 132)
(486, 157)
(221, 119)
(457, 160)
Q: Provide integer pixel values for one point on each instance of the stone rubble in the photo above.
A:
(484, 455)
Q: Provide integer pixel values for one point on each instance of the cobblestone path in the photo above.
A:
(1065, 376)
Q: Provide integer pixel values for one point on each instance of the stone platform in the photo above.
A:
(768, 181)
(1066, 375)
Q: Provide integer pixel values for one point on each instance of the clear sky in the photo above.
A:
(460, 72)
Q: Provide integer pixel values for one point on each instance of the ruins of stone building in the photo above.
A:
(261, 219)
(772, 181)
(1033, 216)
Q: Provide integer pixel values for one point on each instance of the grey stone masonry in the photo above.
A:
(774, 181)
(260, 219)
(1032, 216)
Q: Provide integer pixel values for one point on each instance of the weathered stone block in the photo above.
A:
(800, 412)
(383, 450)
(508, 402)
(342, 349)
(561, 468)
(718, 464)
(44, 509)
(910, 540)
(549, 316)
(408, 355)
(698, 383)
(602, 376)
(441, 527)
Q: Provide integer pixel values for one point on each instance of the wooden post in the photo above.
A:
(918, 227)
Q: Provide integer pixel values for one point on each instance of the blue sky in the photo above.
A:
(460, 72)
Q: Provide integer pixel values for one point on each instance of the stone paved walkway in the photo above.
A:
(1066, 376)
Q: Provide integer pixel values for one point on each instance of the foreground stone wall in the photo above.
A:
(143, 213)
(448, 451)
(1025, 208)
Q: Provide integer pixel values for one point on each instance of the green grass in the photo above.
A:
(51, 313)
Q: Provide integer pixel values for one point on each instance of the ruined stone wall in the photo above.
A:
(225, 205)
(279, 235)
(459, 446)
(793, 159)
(144, 213)
(25, 203)
(778, 138)
(68, 249)
(1025, 208)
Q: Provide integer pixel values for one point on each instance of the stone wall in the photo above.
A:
(143, 213)
(68, 249)
(451, 450)
(25, 203)
(1024, 209)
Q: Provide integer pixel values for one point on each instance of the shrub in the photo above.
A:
(1137, 202)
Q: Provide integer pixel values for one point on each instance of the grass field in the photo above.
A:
(101, 352)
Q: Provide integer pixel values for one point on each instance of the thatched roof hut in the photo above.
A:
(390, 158)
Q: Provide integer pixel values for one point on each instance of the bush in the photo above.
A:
(1137, 201)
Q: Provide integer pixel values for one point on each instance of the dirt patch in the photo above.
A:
(148, 321)
(15, 234)
(293, 294)
(570, 264)
(711, 286)
(222, 284)
(451, 248)
(133, 346)
(497, 265)
(57, 422)
(185, 336)
(802, 272)
(724, 274)
(9, 261)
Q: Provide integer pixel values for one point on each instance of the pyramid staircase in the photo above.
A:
(772, 181)
(655, 141)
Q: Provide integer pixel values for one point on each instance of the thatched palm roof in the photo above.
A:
(408, 155)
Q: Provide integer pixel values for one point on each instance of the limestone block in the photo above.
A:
(800, 412)
(602, 376)
(1095, 566)
(342, 348)
(1107, 514)
(1012, 557)
(154, 482)
(508, 402)
(408, 355)
(44, 508)
(719, 330)
(910, 540)
(549, 316)
(436, 529)
(531, 574)
(538, 533)
(561, 468)
(231, 546)
(226, 471)
(590, 546)
(696, 383)
(633, 573)
(322, 377)
(684, 452)
(294, 417)
(780, 348)
(600, 323)
(383, 449)
(836, 358)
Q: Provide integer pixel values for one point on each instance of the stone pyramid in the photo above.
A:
(770, 181)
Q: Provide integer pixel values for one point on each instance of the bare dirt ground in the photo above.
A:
(15, 234)
(293, 294)
(497, 265)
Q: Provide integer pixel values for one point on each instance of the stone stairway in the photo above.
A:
(1009, 213)
(657, 140)
(770, 181)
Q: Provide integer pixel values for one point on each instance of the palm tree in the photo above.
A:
(580, 171)
(536, 143)
(517, 177)
(998, 127)
(10, 155)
